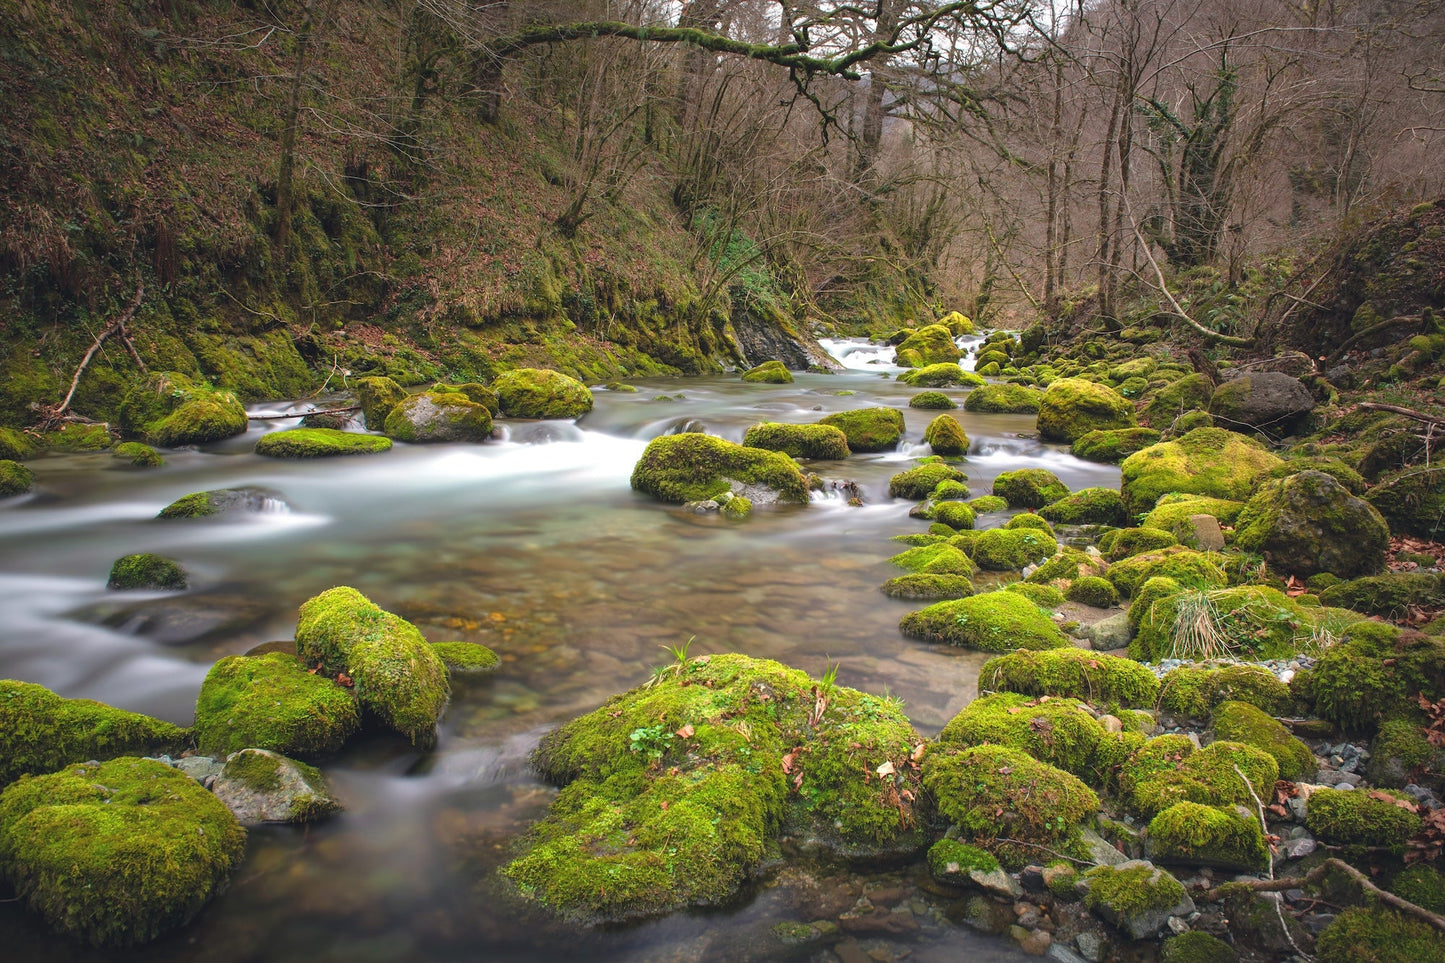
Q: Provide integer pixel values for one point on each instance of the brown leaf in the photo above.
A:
(918, 751)
(685, 732)
(788, 761)
(665, 804)
(344, 679)
(798, 781)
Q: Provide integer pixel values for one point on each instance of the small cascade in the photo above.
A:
(857, 354)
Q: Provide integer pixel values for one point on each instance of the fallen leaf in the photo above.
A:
(788, 761)
(665, 804)
(886, 769)
(918, 751)
(344, 679)
(685, 732)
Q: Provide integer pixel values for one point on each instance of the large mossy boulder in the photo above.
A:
(1192, 691)
(1072, 407)
(1114, 445)
(377, 396)
(474, 392)
(799, 441)
(1029, 487)
(919, 482)
(169, 409)
(1196, 835)
(1361, 817)
(946, 437)
(1206, 461)
(137, 455)
(929, 345)
(1072, 673)
(1242, 722)
(41, 732)
(16, 445)
(396, 676)
(116, 853)
(1248, 619)
(1189, 393)
(260, 786)
(15, 478)
(1087, 506)
(319, 443)
(438, 416)
(1058, 731)
(1374, 672)
(146, 571)
(927, 587)
(1377, 935)
(992, 622)
(1012, 549)
(1308, 523)
(868, 429)
(768, 373)
(695, 467)
(1270, 402)
(541, 393)
(1412, 501)
(674, 793)
(945, 375)
(1006, 399)
(1391, 595)
(1191, 569)
(272, 702)
(1136, 896)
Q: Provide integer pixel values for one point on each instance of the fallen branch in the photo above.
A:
(116, 327)
(1315, 875)
(304, 414)
(1407, 412)
(1207, 333)
(1269, 851)
(1399, 319)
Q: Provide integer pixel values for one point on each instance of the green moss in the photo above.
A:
(936, 559)
(1242, 722)
(476, 393)
(1207, 461)
(922, 586)
(769, 373)
(79, 437)
(948, 859)
(1207, 776)
(1369, 935)
(1199, 835)
(1390, 596)
(1093, 590)
(1399, 751)
(146, 571)
(994, 794)
(1009, 550)
(1052, 730)
(1124, 542)
(1308, 523)
(1189, 568)
(396, 675)
(1087, 506)
(1044, 596)
(1353, 482)
(1422, 885)
(1073, 673)
(992, 622)
(257, 771)
(694, 467)
(194, 505)
(1029, 488)
(946, 436)
(41, 732)
(540, 393)
(1412, 501)
(378, 396)
(1113, 446)
(955, 515)
(1197, 946)
(799, 441)
(319, 443)
(985, 504)
(1009, 399)
(466, 658)
(138, 455)
(170, 409)
(1131, 891)
(929, 345)
(1360, 818)
(1375, 672)
(1174, 399)
(916, 483)
(15, 445)
(1072, 407)
(1067, 565)
(931, 401)
(1194, 691)
(1173, 512)
(272, 702)
(945, 375)
(1030, 520)
(15, 479)
(436, 416)
(868, 429)
(1247, 619)
(116, 853)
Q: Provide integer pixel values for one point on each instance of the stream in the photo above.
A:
(536, 547)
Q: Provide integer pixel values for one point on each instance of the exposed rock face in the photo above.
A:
(1309, 523)
(1269, 402)
(260, 786)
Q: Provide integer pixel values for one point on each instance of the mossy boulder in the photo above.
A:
(676, 791)
(868, 429)
(137, 455)
(696, 467)
(1007, 399)
(984, 504)
(1073, 673)
(1011, 549)
(1057, 731)
(1093, 590)
(76, 437)
(1189, 393)
(1044, 596)
(222, 501)
(958, 322)
(799, 441)
(15, 478)
(1071, 407)
(170, 409)
(1163, 773)
(992, 622)
(396, 676)
(1242, 722)
(260, 786)
(116, 853)
(1196, 835)
(1193, 691)
(1376, 935)
(1353, 481)
(1401, 753)
(945, 375)
(476, 393)
(950, 861)
(438, 416)
(946, 436)
(320, 443)
(1125, 542)
(1308, 523)
(146, 571)
(1087, 506)
(1065, 566)
(1247, 619)
(1374, 672)
(1029, 487)
(1191, 569)
(1422, 885)
(956, 515)
(921, 586)
(1114, 445)
(1361, 817)
(16, 445)
(541, 393)
(466, 658)
(769, 373)
(1197, 946)
(272, 702)
(1270, 402)
(1175, 514)
(1412, 501)
(929, 345)
(40, 732)
(1207, 461)
(1136, 896)
(1390, 596)
(1030, 520)
(919, 482)
(936, 559)
(378, 396)
(932, 401)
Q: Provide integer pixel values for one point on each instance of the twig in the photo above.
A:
(1372, 329)
(1318, 873)
(1207, 333)
(115, 327)
(1052, 852)
(304, 414)
(1407, 412)
(1269, 851)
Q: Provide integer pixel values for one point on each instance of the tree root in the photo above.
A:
(1315, 875)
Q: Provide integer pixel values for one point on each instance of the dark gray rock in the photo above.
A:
(1269, 402)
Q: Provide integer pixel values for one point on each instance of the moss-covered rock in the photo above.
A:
(1044, 596)
(769, 373)
(1191, 569)
(378, 396)
(1370, 935)
(1073, 673)
(916, 483)
(1353, 481)
(466, 658)
(674, 792)
(1087, 506)
(1401, 753)
(15, 478)
(956, 515)
(146, 571)
(1390, 596)
(932, 401)
(321, 443)
(437, 416)
(1010, 549)
(1247, 619)
(1113, 446)
(260, 786)
(937, 559)
(16, 445)
(986, 504)
(1197, 946)
(1136, 896)
(76, 437)
(1007, 399)
(1358, 817)
(169, 409)
(1207, 461)
(1072, 407)
(946, 436)
(540, 393)
(1242, 722)
(1125, 542)
(994, 794)
(41, 732)
(1193, 691)
(1141, 606)
(1030, 520)
(950, 861)
(992, 622)
(1065, 566)
(138, 455)
(868, 429)
(116, 853)
(944, 375)
(1308, 523)
(221, 501)
(1162, 774)
(271, 702)
(1197, 835)
(799, 441)
(1270, 402)
(929, 345)
(1374, 672)
(476, 393)
(1412, 501)
(921, 586)
(1029, 487)
(695, 467)
(395, 674)
(1422, 885)
(1188, 393)
(1093, 590)
(1052, 730)
(1175, 514)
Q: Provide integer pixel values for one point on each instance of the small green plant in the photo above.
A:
(676, 667)
(823, 694)
(650, 741)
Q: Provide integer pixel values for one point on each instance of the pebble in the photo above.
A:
(1090, 946)
(1177, 926)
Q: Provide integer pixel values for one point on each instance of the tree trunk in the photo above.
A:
(285, 201)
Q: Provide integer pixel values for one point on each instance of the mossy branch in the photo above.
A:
(1373, 329)
(1315, 876)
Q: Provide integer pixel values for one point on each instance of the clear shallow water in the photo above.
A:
(537, 547)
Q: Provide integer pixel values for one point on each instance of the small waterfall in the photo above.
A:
(856, 354)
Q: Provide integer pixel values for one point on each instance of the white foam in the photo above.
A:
(857, 354)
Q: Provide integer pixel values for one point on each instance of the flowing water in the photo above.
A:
(537, 547)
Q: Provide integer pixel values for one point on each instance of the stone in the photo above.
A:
(1091, 946)
(1111, 633)
(1207, 535)
(1270, 402)
(1308, 523)
(1136, 896)
(260, 786)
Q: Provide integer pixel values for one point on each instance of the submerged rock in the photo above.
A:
(146, 571)
(224, 501)
(260, 786)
